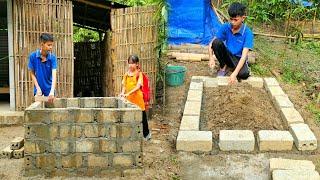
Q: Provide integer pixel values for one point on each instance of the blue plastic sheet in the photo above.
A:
(191, 22)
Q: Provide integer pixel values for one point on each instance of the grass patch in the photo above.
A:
(315, 109)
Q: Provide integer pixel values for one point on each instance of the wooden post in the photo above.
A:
(11, 62)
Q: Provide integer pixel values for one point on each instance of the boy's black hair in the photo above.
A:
(133, 58)
(236, 9)
(45, 37)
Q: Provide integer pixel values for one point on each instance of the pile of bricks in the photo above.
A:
(191, 139)
(15, 150)
(83, 137)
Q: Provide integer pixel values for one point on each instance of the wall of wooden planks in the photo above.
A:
(30, 19)
(134, 31)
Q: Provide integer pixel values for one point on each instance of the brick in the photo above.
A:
(76, 131)
(108, 102)
(35, 105)
(17, 143)
(107, 145)
(91, 130)
(85, 146)
(28, 162)
(111, 173)
(196, 86)
(46, 161)
(54, 131)
(290, 164)
(113, 131)
(236, 140)
(194, 95)
(291, 116)
(98, 161)
(73, 102)
(304, 139)
(138, 159)
(40, 131)
(132, 146)
(270, 82)
(273, 140)
(8, 118)
(295, 175)
(194, 141)
(131, 115)
(37, 116)
(122, 160)
(62, 146)
(275, 91)
(18, 153)
(256, 82)
(125, 131)
(223, 81)
(7, 152)
(190, 123)
(108, 115)
(60, 103)
(88, 102)
(198, 79)
(133, 172)
(36, 147)
(211, 82)
(33, 172)
(103, 131)
(65, 131)
(84, 116)
(192, 109)
(282, 102)
(61, 116)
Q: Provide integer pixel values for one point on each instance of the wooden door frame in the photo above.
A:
(11, 60)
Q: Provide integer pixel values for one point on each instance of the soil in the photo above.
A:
(238, 107)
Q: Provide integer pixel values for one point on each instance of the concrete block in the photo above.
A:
(28, 162)
(84, 115)
(38, 116)
(107, 102)
(7, 152)
(304, 139)
(37, 131)
(122, 160)
(8, 118)
(290, 164)
(223, 81)
(88, 102)
(125, 131)
(275, 91)
(138, 158)
(236, 140)
(18, 153)
(17, 143)
(107, 145)
(76, 131)
(60, 103)
(192, 109)
(211, 82)
(72, 161)
(199, 79)
(295, 175)
(194, 141)
(194, 95)
(62, 146)
(270, 82)
(256, 82)
(282, 102)
(131, 115)
(61, 116)
(108, 115)
(48, 161)
(111, 173)
(190, 123)
(291, 116)
(273, 140)
(132, 146)
(73, 102)
(91, 130)
(98, 161)
(53, 131)
(196, 86)
(84, 146)
(65, 130)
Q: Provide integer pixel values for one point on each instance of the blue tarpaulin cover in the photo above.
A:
(191, 21)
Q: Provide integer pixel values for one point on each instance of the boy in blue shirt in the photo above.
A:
(232, 44)
(43, 68)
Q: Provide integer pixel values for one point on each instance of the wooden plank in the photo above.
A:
(4, 90)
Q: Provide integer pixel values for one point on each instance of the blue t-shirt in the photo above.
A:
(42, 70)
(238, 41)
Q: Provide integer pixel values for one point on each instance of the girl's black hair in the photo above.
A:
(236, 9)
(133, 58)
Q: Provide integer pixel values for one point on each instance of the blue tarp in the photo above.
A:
(303, 3)
(191, 21)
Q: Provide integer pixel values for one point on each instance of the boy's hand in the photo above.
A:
(232, 79)
(39, 92)
(51, 98)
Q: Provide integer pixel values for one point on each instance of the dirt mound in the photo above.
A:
(238, 107)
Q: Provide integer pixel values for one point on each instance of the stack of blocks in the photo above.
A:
(83, 137)
(191, 139)
(15, 150)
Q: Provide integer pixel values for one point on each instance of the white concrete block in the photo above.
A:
(275, 91)
(270, 82)
(295, 175)
(304, 139)
(196, 86)
(282, 102)
(190, 123)
(211, 82)
(194, 95)
(290, 164)
(273, 140)
(254, 82)
(291, 116)
(194, 141)
(236, 140)
(192, 108)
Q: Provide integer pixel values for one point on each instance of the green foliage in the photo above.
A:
(137, 2)
(292, 72)
(84, 35)
(315, 109)
(259, 70)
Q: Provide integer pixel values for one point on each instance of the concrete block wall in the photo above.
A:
(83, 137)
